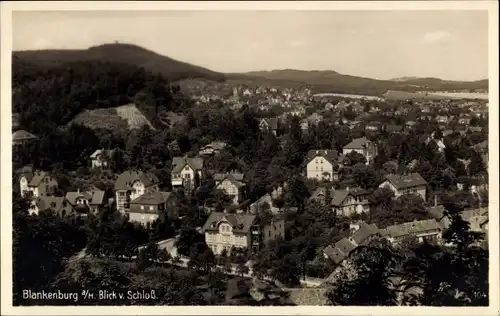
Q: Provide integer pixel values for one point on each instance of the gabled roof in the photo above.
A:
(98, 152)
(340, 250)
(21, 135)
(152, 198)
(51, 202)
(410, 228)
(127, 178)
(195, 163)
(235, 178)
(358, 143)
(37, 178)
(329, 154)
(215, 145)
(241, 223)
(271, 122)
(364, 232)
(405, 181)
(339, 196)
(94, 197)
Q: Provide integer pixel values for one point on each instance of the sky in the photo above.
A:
(448, 44)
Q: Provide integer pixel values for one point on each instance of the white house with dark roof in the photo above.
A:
(22, 137)
(224, 231)
(89, 200)
(350, 201)
(411, 183)
(265, 202)
(269, 124)
(100, 158)
(428, 230)
(150, 206)
(36, 183)
(232, 184)
(362, 146)
(131, 184)
(322, 164)
(187, 171)
(212, 149)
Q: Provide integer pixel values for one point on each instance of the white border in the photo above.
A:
(6, 154)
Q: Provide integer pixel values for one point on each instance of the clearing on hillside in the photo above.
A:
(133, 116)
(118, 119)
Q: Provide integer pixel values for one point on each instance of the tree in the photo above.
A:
(242, 269)
(476, 165)
(368, 281)
(356, 158)
(365, 176)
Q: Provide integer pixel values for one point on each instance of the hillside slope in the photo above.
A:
(118, 119)
(120, 53)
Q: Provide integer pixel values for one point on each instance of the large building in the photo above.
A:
(34, 184)
(322, 164)
(411, 183)
(132, 184)
(224, 231)
(362, 146)
(428, 230)
(187, 172)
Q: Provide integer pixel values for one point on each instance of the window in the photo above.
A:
(186, 168)
(151, 208)
(142, 207)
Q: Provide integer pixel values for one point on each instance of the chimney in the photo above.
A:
(78, 191)
(435, 200)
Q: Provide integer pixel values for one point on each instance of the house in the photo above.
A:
(393, 129)
(212, 149)
(350, 201)
(361, 234)
(263, 203)
(321, 164)
(464, 120)
(232, 184)
(443, 119)
(372, 127)
(91, 200)
(411, 183)
(150, 206)
(36, 183)
(22, 137)
(131, 184)
(477, 219)
(320, 195)
(58, 204)
(410, 124)
(362, 146)
(425, 230)
(100, 158)
(187, 172)
(269, 124)
(224, 231)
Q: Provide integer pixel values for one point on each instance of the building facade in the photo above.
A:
(37, 184)
(132, 184)
(362, 146)
(411, 183)
(322, 164)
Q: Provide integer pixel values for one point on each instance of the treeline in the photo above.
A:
(49, 97)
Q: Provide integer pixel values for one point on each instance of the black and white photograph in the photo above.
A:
(254, 157)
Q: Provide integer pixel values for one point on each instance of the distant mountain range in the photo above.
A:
(319, 81)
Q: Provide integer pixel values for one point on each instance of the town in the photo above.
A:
(275, 188)
(250, 158)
